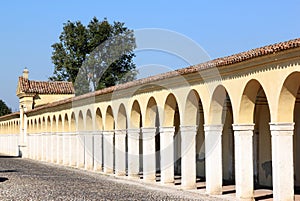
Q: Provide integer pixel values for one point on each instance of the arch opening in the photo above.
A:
(152, 120)
(262, 142)
(194, 116)
(221, 113)
(136, 123)
(89, 121)
(172, 118)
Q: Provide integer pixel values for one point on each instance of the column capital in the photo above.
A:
(121, 132)
(47, 133)
(66, 133)
(213, 127)
(243, 127)
(134, 130)
(73, 133)
(134, 133)
(89, 132)
(59, 133)
(148, 129)
(278, 126)
(108, 132)
(148, 133)
(170, 129)
(192, 129)
(98, 132)
(84, 133)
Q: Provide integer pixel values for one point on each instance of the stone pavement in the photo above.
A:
(24, 179)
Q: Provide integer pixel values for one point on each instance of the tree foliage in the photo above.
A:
(4, 109)
(95, 56)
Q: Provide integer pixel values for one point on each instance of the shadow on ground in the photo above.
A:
(3, 179)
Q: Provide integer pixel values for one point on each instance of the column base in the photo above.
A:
(134, 176)
(149, 178)
(108, 171)
(120, 174)
(214, 192)
(188, 187)
(23, 151)
(167, 183)
(98, 168)
(89, 167)
(245, 199)
(80, 166)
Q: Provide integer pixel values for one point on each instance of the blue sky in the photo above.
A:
(29, 28)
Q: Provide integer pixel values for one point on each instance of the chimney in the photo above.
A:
(25, 73)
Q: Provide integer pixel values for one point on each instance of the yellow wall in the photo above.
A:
(43, 99)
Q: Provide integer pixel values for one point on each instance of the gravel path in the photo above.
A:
(24, 179)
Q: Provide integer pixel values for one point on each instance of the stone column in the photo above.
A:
(98, 150)
(213, 158)
(80, 150)
(43, 146)
(30, 146)
(49, 147)
(54, 147)
(282, 161)
(108, 151)
(34, 145)
(188, 156)
(133, 152)
(149, 160)
(167, 154)
(120, 152)
(66, 148)
(73, 149)
(243, 140)
(89, 150)
(59, 151)
(40, 146)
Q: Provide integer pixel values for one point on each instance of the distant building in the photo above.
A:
(33, 94)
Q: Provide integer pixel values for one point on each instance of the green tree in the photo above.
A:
(4, 109)
(95, 56)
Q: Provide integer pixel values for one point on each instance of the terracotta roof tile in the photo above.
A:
(243, 56)
(43, 87)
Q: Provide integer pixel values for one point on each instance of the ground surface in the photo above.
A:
(23, 179)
